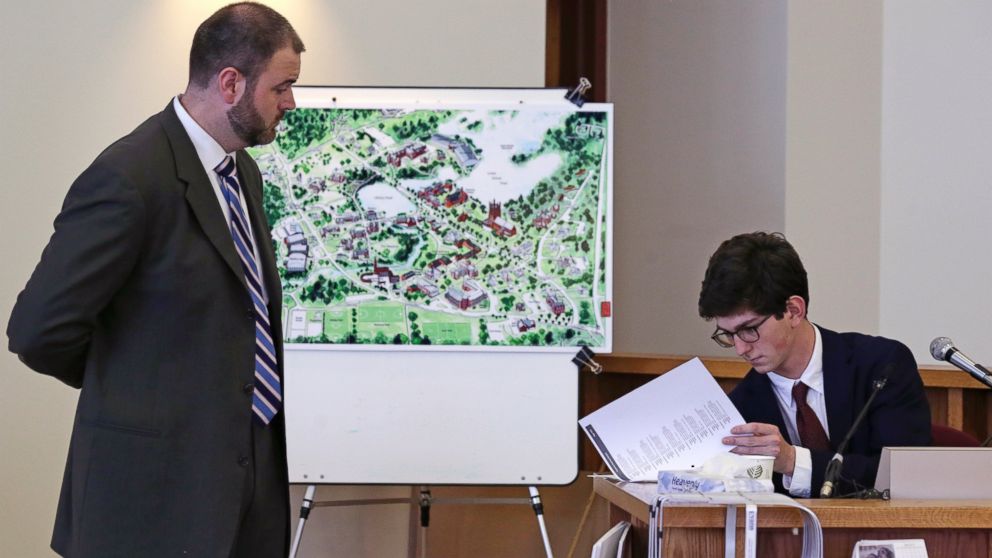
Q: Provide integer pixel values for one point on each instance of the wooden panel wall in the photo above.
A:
(576, 45)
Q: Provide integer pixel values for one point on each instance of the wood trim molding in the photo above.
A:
(734, 368)
(552, 44)
(575, 45)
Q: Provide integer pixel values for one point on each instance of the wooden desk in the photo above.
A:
(959, 528)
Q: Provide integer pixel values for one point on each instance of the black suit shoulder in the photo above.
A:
(144, 156)
(864, 348)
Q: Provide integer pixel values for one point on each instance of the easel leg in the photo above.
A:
(413, 529)
(425, 518)
(535, 500)
(304, 512)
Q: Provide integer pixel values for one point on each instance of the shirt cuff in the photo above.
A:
(798, 483)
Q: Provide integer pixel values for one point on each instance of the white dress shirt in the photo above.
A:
(212, 154)
(798, 483)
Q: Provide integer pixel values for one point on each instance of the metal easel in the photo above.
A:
(424, 501)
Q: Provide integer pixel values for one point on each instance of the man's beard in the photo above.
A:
(248, 124)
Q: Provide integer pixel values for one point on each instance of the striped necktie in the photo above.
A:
(267, 395)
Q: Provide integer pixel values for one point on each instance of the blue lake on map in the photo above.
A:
(496, 178)
(502, 136)
(383, 197)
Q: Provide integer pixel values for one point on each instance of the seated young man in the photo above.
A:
(807, 383)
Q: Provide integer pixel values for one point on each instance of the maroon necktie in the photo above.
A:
(811, 432)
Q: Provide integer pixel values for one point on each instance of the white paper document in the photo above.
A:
(675, 422)
(613, 543)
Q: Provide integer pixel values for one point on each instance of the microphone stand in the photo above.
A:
(985, 378)
(837, 462)
(982, 374)
(943, 348)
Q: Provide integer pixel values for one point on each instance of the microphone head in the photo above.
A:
(940, 346)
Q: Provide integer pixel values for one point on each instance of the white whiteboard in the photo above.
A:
(361, 417)
(441, 414)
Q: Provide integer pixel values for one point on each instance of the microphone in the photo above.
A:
(832, 473)
(942, 348)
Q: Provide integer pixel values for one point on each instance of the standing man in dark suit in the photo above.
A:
(807, 384)
(158, 296)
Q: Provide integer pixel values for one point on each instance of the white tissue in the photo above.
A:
(725, 472)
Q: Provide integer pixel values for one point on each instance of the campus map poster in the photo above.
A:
(482, 226)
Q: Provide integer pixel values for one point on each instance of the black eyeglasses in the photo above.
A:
(748, 334)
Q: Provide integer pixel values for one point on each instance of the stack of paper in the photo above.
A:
(614, 543)
(675, 422)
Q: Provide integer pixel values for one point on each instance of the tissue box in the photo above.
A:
(689, 481)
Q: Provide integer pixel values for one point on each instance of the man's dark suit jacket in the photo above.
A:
(140, 300)
(899, 416)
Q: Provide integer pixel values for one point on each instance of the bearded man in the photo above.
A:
(158, 297)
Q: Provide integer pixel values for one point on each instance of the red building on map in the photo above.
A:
(496, 223)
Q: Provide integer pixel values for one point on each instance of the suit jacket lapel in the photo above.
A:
(199, 192)
(837, 385)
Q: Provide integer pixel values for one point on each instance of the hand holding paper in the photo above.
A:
(756, 438)
(675, 422)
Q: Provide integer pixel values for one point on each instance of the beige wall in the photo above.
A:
(937, 174)
(77, 75)
(857, 128)
(833, 163)
(888, 190)
(700, 91)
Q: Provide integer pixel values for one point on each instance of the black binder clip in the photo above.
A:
(584, 358)
(577, 96)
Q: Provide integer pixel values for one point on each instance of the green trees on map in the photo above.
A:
(585, 313)
(328, 291)
(273, 202)
(410, 172)
(483, 332)
(481, 269)
(416, 336)
(407, 243)
(303, 128)
(359, 175)
(419, 125)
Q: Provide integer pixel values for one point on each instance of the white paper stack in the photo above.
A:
(675, 422)
(614, 543)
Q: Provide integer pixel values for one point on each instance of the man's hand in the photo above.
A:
(756, 438)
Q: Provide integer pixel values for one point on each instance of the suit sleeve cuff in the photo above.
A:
(798, 483)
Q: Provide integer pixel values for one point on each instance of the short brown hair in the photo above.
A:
(244, 35)
(755, 271)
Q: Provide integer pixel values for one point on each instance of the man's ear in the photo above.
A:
(230, 85)
(795, 308)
